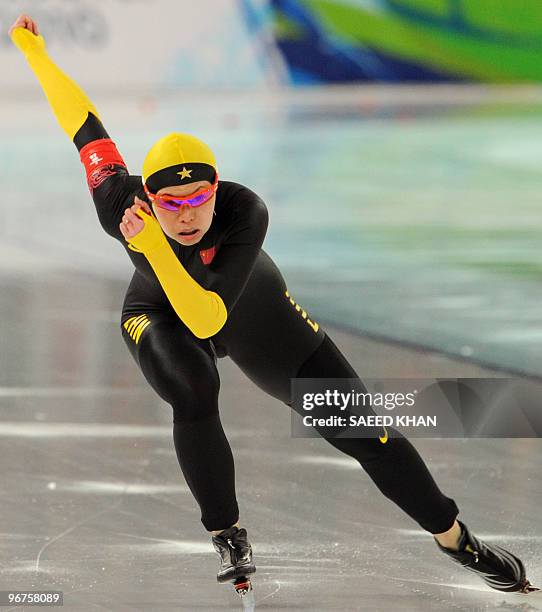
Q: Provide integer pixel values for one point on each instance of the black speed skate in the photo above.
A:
(235, 554)
(500, 569)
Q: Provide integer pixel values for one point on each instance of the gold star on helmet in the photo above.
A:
(184, 173)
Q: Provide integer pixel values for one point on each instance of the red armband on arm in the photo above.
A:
(100, 158)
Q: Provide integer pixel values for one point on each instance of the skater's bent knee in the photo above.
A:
(193, 409)
(180, 369)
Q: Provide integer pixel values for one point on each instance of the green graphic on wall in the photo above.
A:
(409, 40)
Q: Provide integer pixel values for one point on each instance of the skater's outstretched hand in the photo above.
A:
(24, 21)
(26, 36)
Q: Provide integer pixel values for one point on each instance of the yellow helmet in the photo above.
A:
(178, 159)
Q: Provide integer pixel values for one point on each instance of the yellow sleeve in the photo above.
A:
(202, 311)
(68, 101)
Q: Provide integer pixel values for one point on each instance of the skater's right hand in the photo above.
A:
(140, 229)
(132, 224)
(25, 34)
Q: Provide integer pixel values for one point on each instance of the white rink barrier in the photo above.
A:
(129, 44)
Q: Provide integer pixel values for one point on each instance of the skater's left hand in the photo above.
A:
(26, 36)
(25, 21)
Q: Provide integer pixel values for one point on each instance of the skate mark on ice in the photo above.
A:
(168, 546)
(116, 504)
(339, 462)
(509, 601)
(106, 488)
(345, 462)
(51, 392)
(77, 430)
(259, 601)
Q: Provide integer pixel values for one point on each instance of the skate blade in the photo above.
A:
(532, 599)
(243, 588)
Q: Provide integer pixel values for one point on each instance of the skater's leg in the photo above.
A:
(182, 370)
(395, 467)
(219, 531)
(450, 538)
(400, 473)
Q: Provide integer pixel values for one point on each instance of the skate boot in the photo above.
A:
(235, 554)
(500, 569)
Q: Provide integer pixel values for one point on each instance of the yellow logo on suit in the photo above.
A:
(314, 325)
(136, 325)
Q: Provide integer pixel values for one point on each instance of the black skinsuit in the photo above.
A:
(266, 334)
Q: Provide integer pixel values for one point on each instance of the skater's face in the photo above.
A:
(178, 224)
